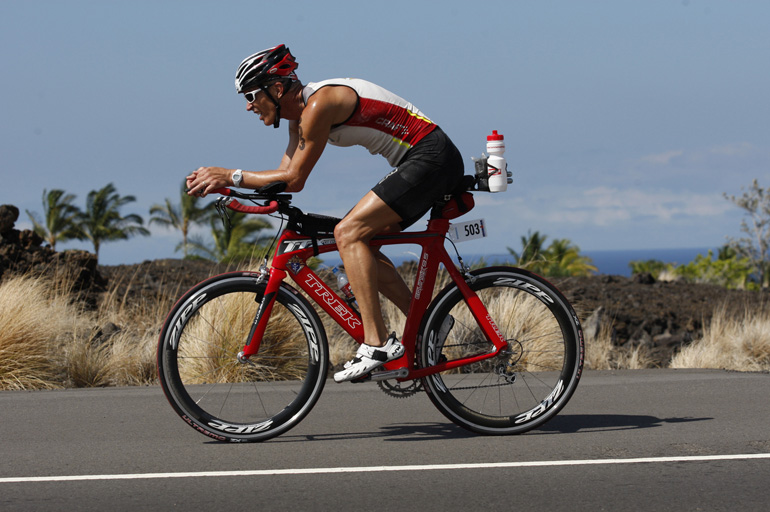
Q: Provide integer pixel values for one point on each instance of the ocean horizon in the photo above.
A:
(607, 262)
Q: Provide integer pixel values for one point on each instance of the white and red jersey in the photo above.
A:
(383, 123)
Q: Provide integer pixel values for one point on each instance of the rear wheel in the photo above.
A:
(529, 381)
(227, 398)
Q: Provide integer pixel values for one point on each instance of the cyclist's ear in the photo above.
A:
(280, 89)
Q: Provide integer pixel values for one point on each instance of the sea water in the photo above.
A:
(606, 262)
(615, 262)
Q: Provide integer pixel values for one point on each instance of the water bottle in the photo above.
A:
(497, 169)
(344, 285)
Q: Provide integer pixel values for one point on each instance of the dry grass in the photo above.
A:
(48, 341)
(731, 342)
(34, 317)
(603, 354)
(216, 334)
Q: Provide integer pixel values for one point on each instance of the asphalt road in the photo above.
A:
(628, 440)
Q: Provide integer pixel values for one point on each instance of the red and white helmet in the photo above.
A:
(265, 66)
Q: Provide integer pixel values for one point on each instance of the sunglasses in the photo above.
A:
(251, 97)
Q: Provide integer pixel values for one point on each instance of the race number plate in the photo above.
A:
(465, 231)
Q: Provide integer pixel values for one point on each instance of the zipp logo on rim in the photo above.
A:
(314, 350)
(175, 332)
(523, 285)
(242, 429)
(543, 406)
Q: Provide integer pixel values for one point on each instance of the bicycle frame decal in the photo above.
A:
(304, 243)
(266, 300)
(328, 300)
(295, 264)
(421, 276)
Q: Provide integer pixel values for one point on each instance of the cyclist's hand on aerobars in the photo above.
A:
(205, 179)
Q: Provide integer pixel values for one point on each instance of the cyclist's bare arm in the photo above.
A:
(308, 136)
(292, 147)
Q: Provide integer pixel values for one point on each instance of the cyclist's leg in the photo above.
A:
(370, 216)
(432, 168)
(391, 284)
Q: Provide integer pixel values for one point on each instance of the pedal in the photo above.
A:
(389, 374)
(363, 378)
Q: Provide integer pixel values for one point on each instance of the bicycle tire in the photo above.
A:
(526, 384)
(224, 398)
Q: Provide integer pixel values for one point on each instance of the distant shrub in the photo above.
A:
(733, 272)
(652, 267)
(728, 269)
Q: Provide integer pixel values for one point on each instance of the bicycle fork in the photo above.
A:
(274, 279)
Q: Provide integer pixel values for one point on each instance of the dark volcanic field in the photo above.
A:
(661, 315)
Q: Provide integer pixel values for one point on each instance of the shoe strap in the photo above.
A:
(371, 352)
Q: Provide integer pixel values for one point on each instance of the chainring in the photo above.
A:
(397, 389)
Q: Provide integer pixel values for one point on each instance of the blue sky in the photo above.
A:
(625, 121)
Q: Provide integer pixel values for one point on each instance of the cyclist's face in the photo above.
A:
(262, 106)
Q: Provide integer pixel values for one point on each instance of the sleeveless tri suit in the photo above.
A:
(427, 164)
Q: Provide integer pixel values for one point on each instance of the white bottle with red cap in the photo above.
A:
(497, 168)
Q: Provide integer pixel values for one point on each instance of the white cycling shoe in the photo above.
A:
(368, 358)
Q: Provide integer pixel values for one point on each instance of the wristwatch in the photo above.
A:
(237, 177)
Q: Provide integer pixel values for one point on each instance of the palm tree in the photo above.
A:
(560, 259)
(102, 222)
(60, 223)
(564, 260)
(531, 257)
(236, 242)
(179, 216)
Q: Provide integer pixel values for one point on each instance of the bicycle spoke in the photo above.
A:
(508, 392)
(248, 400)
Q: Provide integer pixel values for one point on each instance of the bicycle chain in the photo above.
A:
(485, 386)
(462, 388)
(394, 388)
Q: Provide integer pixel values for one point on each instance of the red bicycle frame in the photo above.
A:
(291, 257)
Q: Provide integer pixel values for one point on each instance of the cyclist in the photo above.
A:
(347, 112)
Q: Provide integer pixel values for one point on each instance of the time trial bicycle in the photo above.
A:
(244, 356)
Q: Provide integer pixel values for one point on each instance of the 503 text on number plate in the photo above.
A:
(465, 231)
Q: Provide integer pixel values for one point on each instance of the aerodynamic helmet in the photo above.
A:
(265, 66)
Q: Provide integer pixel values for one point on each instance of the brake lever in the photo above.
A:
(222, 210)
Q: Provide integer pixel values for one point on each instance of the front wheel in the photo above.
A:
(530, 380)
(231, 399)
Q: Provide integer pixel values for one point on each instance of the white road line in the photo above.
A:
(375, 469)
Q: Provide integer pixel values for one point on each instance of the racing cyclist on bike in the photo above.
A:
(347, 112)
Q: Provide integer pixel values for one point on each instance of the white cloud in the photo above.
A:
(662, 158)
(739, 149)
(604, 206)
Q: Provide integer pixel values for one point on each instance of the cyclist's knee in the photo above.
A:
(346, 233)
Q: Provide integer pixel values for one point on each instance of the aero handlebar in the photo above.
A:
(234, 205)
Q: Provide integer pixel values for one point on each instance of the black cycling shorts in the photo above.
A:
(430, 170)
